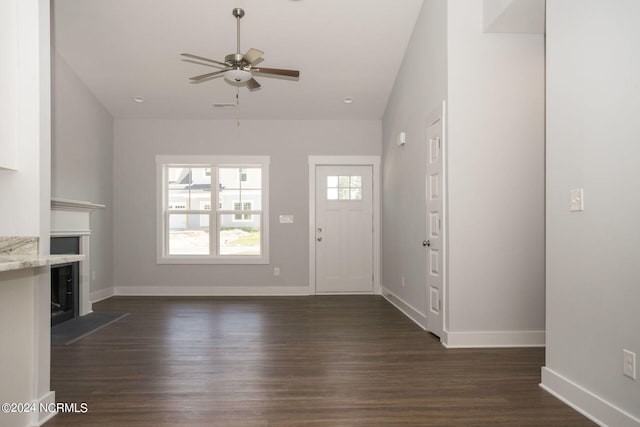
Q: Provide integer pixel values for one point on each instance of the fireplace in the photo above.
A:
(65, 281)
(70, 222)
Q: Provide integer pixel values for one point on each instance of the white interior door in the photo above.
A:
(435, 224)
(344, 229)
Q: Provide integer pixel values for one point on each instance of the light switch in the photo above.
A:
(286, 219)
(577, 200)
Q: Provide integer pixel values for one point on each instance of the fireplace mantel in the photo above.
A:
(71, 217)
(73, 205)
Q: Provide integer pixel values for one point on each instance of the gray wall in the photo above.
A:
(289, 143)
(593, 101)
(82, 161)
(496, 179)
(421, 86)
(494, 87)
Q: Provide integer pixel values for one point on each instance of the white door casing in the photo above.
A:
(346, 259)
(435, 215)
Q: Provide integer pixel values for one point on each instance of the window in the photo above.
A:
(213, 209)
(344, 187)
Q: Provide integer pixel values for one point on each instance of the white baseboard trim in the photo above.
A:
(101, 294)
(406, 308)
(39, 418)
(493, 339)
(211, 291)
(587, 403)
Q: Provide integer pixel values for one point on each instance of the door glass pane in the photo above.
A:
(332, 194)
(344, 187)
(240, 238)
(188, 234)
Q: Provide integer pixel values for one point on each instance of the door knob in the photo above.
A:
(319, 239)
(426, 243)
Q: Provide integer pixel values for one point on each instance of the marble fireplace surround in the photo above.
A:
(70, 218)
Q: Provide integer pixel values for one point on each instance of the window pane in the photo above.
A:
(332, 181)
(344, 181)
(239, 239)
(343, 194)
(332, 194)
(356, 181)
(229, 178)
(188, 234)
(356, 194)
(189, 188)
(252, 197)
(253, 178)
(200, 188)
(178, 186)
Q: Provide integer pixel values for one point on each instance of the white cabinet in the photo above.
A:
(8, 84)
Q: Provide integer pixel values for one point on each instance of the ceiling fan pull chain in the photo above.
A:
(238, 105)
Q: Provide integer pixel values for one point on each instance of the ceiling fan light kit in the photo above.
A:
(238, 68)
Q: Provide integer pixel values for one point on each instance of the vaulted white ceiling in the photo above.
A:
(343, 48)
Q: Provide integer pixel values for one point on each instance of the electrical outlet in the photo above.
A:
(276, 271)
(629, 363)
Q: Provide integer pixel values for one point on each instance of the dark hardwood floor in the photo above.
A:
(291, 361)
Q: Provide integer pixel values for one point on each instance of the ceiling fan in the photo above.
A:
(238, 68)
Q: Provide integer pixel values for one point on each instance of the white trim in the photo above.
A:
(40, 418)
(101, 294)
(493, 339)
(374, 162)
(211, 291)
(70, 233)
(74, 205)
(406, 308)
(587, 403)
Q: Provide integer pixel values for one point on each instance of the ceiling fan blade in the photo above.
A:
(252, 55)
(188, 55)
(277, 71)
(253, 84)
(205, 76)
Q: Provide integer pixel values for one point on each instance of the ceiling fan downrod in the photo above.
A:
(238, 12)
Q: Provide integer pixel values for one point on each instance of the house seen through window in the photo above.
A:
(213, 212)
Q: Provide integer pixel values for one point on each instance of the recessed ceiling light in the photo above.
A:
(348, 100)
(138, 99)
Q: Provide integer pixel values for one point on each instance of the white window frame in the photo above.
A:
(162, 257)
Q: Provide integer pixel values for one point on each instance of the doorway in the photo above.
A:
(344, 225)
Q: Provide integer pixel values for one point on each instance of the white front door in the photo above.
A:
(435, 223)
(344, 229)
